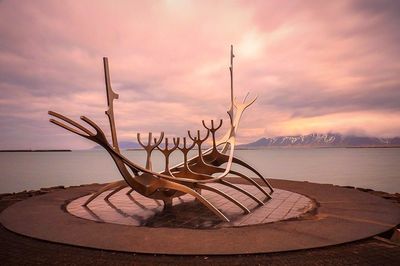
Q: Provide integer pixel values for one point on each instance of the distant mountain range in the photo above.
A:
(322, 140)
(310, 140)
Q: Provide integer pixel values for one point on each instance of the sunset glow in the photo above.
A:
(317, 66)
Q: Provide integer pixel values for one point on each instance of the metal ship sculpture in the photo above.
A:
(190, 176)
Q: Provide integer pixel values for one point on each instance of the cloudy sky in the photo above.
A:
(316, 66)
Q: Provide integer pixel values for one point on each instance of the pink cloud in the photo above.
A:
(309, 62)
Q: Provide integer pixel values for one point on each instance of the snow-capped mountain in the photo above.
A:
(322, 140)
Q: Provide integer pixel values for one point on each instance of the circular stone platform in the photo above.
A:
(137, 210)
(342, 215)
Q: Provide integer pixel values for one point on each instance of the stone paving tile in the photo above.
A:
(137, 210)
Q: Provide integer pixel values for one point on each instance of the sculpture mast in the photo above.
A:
(111, 96)
(230, 111)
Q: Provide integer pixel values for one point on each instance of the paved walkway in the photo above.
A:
(19, 250)
(343, 215)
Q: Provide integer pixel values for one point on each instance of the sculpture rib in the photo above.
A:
(103, 189)
(199, 166)
(115, 191)
(219, 192)
(229, 184)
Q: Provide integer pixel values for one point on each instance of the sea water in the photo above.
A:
(374, 168)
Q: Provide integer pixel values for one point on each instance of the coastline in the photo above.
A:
(35, 150)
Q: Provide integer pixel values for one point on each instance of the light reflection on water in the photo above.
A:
(377, 168)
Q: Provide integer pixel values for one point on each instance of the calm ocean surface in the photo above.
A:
(378, 168)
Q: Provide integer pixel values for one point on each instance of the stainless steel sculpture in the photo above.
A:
(189, 177)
